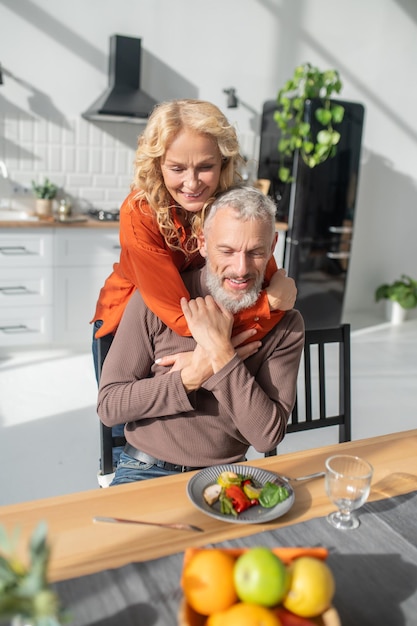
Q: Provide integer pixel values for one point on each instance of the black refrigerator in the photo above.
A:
(319, 208)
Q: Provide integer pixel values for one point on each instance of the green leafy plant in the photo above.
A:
(24, 589)
(403, 291)
(308, 82)
(45, 190)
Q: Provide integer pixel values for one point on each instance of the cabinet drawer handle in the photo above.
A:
(15, 251)
(19, 328)
(342, 230)
(15, 291)
(338, 255)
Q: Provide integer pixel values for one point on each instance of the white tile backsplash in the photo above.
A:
(92, 164)
(84, 160)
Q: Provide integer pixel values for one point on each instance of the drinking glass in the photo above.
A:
(348, 482)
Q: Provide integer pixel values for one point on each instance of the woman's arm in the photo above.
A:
(155, 270)
(152, 267)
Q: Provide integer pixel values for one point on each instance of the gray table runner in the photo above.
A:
(375, 568)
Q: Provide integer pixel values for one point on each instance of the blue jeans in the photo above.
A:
(129, 470)
(105, 343)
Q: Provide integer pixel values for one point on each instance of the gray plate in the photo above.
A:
(254, 515)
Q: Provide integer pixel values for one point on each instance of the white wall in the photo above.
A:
(54, 58)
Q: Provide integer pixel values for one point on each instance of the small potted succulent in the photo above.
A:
(26, 598)
(400, 294)
(44, 192)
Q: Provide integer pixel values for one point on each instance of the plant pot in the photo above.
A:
(396, 314)
(43, 207)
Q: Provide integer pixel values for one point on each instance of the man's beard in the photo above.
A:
(231, 303)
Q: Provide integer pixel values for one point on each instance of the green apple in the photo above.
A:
(260, 577)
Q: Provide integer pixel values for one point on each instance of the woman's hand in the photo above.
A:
(176, 361)
(197, 366)
(281, 292)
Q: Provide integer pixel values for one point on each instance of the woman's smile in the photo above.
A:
(191, 169)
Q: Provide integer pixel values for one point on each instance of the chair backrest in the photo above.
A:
(111, 439)
(324, 383)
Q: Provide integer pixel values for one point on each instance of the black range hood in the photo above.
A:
(123, 100)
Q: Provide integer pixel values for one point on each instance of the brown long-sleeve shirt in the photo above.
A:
(247, 403)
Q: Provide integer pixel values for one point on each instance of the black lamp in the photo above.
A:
(232, 101)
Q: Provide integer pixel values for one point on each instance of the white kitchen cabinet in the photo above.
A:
(25, 326)
(83, 258)
(26, 287)
(50, 281)
(25, 248)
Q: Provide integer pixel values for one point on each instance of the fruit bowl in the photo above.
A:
(188, 617)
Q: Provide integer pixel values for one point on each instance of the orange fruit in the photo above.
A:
(207, 581)
(244, 614)
(311, 589)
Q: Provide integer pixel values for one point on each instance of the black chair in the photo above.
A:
(111, 441)
(320, 379)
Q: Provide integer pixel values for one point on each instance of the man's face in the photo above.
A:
(236, 254)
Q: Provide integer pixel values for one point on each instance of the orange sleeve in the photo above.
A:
(154, 269)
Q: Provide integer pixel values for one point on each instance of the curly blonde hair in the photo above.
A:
(165, 122)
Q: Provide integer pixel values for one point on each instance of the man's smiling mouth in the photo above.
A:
(238, 283)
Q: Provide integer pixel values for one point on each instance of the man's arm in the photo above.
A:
(258, 399)
(258, 396)
(132, 386)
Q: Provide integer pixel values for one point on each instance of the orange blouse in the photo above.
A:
(149, 265)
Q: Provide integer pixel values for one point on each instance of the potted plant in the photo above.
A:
(25, 595)
(401, 294)
(295, 131)
(45, 192)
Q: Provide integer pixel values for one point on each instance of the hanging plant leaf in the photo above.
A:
(284, 174)
(308, 82)
(324, 116)
(338, 113)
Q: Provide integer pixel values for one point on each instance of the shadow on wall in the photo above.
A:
(39, 103)
(385, 226)
(164, 84)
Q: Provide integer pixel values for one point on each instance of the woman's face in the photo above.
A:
(191, 169)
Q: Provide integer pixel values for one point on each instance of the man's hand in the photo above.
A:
(211, 326)
(197, 366)
(281, 292)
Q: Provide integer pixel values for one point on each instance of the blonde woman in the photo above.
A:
(187, 154)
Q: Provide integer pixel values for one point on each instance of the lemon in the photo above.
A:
(311, 589)
(252, 492)
(225, 479)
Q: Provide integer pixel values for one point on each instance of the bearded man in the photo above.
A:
(191, 402)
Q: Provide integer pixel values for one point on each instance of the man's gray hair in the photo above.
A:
(249, 204)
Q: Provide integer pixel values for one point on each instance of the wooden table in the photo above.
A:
(81, 547)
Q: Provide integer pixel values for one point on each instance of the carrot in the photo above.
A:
(286, 554)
